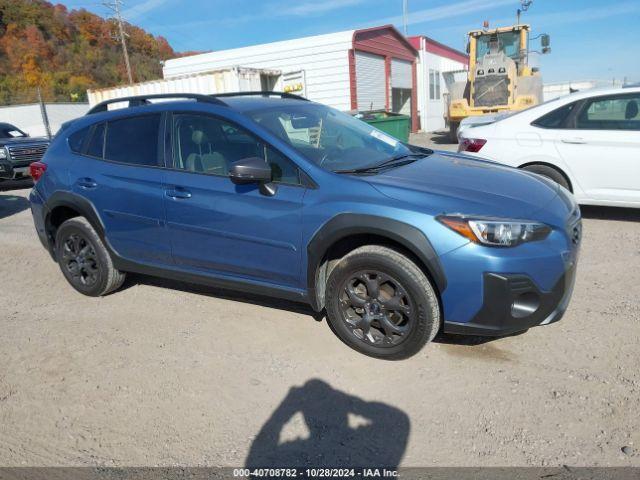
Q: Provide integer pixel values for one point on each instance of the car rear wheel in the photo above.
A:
(549, 172)
(84, 260)
(381, 304)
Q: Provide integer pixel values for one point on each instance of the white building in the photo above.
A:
(436, 61)
(368, 69)
(235, 79)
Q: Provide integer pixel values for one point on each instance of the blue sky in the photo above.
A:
(590, 39)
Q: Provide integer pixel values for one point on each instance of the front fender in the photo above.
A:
(349, 224)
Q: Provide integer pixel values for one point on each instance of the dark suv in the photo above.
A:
(18, 151)
(277, 195)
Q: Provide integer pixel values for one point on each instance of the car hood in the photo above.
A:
(453, 183)
(21, 140)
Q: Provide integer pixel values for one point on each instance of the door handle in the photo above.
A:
(574, 141)
(86, 183)
(178, 192)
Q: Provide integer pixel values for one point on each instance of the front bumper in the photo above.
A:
(13, 171)
(513, 303)
(495, 292)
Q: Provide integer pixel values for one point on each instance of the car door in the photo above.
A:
(220, 228)
(118, 169)
(601, 146)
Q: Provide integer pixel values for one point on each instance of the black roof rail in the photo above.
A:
(267, 93)
(139, 100)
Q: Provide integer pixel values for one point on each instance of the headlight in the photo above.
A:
(3, 153)
(496, 232)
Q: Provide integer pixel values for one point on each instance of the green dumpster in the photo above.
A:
(394, 124)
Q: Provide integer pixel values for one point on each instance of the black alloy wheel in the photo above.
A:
(80, 260)
(376, 308)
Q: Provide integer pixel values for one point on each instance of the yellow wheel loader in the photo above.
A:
(499, 77)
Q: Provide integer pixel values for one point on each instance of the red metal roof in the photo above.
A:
(437, 48)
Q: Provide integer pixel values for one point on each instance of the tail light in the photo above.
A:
(36, 170)
(471, 144)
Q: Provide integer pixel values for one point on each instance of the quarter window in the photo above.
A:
(620, 112)
(96, 144)
(209, 145)
(133, 140)
(555, 118)
(76, 140)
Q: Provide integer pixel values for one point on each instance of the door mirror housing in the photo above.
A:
(253, 170)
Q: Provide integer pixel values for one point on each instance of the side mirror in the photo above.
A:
(253, 170)
(545, 40)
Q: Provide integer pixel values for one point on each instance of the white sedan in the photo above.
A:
(588, 142)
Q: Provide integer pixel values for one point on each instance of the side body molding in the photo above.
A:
(349, 224)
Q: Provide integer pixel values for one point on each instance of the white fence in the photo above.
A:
(28, 118)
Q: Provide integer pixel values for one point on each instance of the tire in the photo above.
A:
(550, 173)
(84, 260)
(392, 325)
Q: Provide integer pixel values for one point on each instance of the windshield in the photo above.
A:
(331, 139)
(508, 42)
(9, 131)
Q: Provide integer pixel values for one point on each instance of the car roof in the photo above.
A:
(600, 91)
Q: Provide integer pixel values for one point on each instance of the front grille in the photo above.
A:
(26, 153)
(491, 90)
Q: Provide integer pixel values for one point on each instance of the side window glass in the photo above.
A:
(555, 118)
(282, 170)
(611, 113)
(76, 140)
(96, 143)
(133, 140)
(210, 146)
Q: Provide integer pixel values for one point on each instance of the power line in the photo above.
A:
(114, 6)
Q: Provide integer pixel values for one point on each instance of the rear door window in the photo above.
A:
(133, 140)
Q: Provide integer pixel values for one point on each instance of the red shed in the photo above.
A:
(382, 71)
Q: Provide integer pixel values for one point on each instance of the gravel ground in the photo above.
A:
(163, 373)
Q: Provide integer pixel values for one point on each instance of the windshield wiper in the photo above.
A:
(396, 161)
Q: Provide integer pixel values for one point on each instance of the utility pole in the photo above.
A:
(43, 112)
(114, 6)
(525, 4)
(405, 16)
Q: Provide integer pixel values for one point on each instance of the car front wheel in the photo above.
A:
(381, 304)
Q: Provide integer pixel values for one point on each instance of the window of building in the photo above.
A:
(434, 84)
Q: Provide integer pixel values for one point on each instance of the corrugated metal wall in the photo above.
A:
(230, 80)
(370, 81)
(324, 59)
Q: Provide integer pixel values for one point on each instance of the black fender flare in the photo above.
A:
(348, 224)
(78, 203)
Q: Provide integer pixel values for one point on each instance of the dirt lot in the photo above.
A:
(163, 373)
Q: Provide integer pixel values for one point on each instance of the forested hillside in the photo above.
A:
(64, 52)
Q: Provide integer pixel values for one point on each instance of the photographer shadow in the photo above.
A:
(340, 430)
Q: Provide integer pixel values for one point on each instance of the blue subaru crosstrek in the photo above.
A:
(276, 195)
